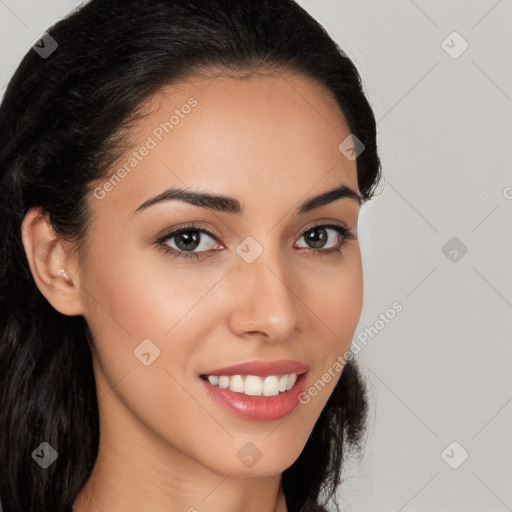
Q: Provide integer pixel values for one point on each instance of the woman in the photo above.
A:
(181, 187)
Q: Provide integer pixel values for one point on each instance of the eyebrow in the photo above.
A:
(231, 205)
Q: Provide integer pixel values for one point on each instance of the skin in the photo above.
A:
(270, 142)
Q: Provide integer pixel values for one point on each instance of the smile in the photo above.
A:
(256, 398)
(253, 385)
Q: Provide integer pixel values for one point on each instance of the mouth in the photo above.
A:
(255, 385)
(254, 397)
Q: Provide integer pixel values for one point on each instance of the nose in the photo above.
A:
(265, 303)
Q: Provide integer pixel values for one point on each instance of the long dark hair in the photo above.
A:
(62, 124)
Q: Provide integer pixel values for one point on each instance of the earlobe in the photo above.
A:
(53, 268)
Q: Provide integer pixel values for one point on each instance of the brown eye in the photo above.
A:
(189, 240)
(318, 237)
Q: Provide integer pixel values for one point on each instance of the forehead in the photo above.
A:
(264, 136)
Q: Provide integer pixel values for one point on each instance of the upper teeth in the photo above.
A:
(254, 385)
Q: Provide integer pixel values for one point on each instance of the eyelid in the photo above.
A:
(211, 231)
(188, 226)
(349, 233)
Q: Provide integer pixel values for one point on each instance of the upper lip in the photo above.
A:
(261, 368)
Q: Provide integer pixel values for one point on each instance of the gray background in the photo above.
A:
(439, 371)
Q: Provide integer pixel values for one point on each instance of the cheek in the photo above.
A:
(132, 299)
(145, 293)
(335, 295)
(139, 296)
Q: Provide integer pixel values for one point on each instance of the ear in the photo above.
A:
(54, 267)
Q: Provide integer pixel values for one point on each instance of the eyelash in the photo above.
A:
(346, 234)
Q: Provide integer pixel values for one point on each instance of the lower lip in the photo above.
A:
(258, 407)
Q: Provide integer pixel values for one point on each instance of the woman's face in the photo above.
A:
(260, 287)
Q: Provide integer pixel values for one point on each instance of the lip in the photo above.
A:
(265, 408)
(261, 368)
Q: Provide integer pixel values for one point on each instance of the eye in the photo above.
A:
(328, 237)
(189, 242)
(200, 243)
